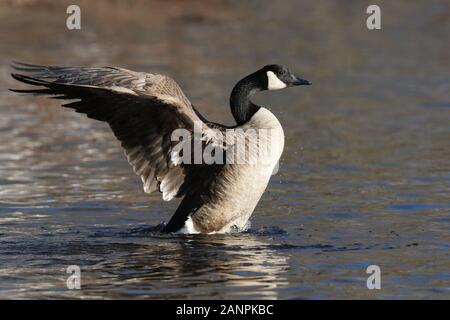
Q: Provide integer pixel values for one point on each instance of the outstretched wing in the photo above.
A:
(142, 110)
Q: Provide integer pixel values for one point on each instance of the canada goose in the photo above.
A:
(143, 110)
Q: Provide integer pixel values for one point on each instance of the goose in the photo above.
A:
(144, 109)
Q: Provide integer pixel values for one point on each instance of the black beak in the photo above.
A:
(300, 82)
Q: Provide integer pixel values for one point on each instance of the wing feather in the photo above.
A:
(141, 109)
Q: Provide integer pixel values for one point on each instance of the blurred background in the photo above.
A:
(364, 178)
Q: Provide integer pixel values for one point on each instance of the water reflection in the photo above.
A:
(364, 178)
(236, 266)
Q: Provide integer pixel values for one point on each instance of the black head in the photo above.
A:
(270, 77)
(279, 77)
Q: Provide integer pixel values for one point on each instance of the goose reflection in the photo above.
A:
(242, 263)
(236, 266)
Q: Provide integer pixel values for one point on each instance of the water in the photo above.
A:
(364, 178)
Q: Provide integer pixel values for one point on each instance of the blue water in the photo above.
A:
(364, 178)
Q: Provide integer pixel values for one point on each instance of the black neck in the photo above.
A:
(241, 106)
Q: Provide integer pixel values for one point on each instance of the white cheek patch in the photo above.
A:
(273, 83)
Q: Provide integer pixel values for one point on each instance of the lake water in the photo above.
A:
(364, 178)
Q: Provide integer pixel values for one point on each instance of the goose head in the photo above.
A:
(270, 77)
(277, 77)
